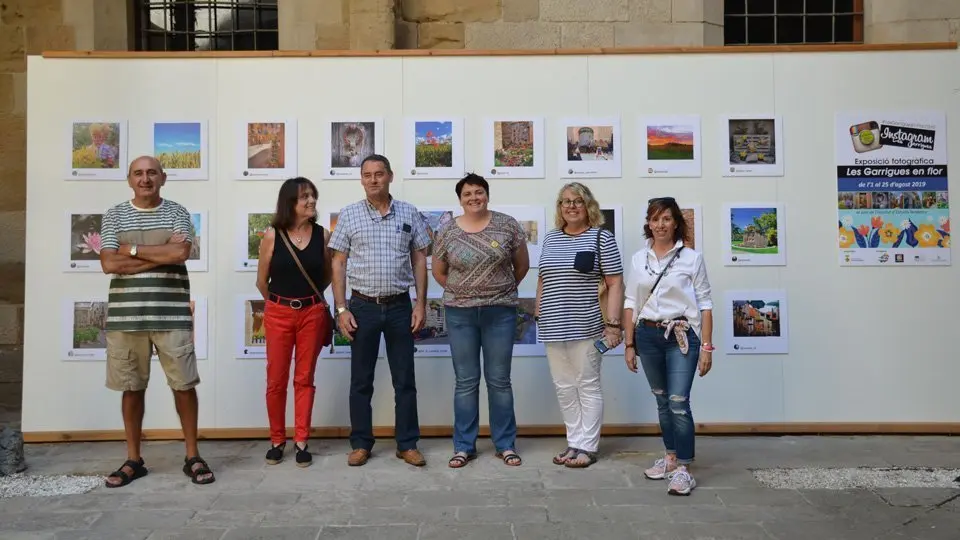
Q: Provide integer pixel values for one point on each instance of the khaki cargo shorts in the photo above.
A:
(128, 359)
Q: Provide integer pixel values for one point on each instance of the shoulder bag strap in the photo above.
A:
(657, 282)
(296, 259)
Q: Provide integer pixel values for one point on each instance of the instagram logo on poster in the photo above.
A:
(865, 136)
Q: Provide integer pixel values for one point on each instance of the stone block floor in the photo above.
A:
(387, 499)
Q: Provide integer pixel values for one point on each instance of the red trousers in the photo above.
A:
(288, 329)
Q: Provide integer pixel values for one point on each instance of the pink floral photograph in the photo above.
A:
(85, 237)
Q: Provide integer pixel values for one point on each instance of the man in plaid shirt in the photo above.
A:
(380, 246)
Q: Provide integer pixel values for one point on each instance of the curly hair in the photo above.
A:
(594, 215)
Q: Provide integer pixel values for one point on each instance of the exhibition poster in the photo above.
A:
(892, 195)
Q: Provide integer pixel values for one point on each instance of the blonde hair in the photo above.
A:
(594, 215)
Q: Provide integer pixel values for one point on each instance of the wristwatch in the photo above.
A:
(133, 250)
(341, 309)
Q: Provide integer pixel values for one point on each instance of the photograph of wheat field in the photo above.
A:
(177, 144)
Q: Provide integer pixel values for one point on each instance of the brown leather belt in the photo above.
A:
(380, 299)
(296, 303)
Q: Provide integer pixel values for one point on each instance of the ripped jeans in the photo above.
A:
(670, 375)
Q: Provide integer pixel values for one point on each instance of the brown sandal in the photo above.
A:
(510, 457)
(565, 456)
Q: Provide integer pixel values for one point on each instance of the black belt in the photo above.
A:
(380, 299)
(296, 303)
(648, 322)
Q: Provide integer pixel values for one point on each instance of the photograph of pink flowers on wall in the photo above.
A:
(85, 237)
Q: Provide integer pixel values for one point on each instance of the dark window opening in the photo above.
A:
(792, 22)
(206, 25)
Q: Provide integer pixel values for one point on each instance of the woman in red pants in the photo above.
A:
(292, 272)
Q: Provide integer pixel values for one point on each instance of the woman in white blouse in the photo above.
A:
(671, 332)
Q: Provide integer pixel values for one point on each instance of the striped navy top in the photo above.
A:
(159, 298)
(570, 300)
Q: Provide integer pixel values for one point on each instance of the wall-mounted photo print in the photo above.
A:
(669, 146)
(251, 227)
(197, 261)
(434, 148)
(433, 339)
(347, 143)
(533, 221)
(83, 242)
(267, 150)
(181, 148)
(591, 148)
(754, 234)
(98, 150)
(613, 222)
(251, 341)
(433, 219)
(514, 147)
(84, 329)
(525, 340)
(753, 145)
(757, 322)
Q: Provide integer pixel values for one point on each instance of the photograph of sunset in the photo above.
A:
(670, 143)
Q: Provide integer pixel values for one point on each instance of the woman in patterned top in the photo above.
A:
(478, 259)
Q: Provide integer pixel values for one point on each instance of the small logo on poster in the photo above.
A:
(898, 258)
(908, 137)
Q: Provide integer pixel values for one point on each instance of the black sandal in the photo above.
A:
(275, 453)
(510, 457)
(576, 464)
(562, 458)
(194, 474)
(460, 459)
(139, 471)
(304, 458)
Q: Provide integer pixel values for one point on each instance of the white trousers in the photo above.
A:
(575, 368)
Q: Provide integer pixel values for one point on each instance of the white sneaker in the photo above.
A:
(681, 482)
(658, 471)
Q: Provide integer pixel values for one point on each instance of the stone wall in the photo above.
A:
(547, 24)
(908, 21)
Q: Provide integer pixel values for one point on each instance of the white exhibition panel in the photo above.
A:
(866, 344)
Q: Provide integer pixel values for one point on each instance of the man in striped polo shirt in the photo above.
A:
(145, 245)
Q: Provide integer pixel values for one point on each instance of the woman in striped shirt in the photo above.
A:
(575, 258)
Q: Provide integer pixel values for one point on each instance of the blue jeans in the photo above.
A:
(393, 321)
(490, 328)
(670, 375)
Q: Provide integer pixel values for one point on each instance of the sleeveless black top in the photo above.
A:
(285, 277)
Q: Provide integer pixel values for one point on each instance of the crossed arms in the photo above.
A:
(119, 261)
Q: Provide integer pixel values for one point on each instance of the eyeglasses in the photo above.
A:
(567, 203)
(666, 200)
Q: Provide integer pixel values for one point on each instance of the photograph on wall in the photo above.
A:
(83, 249)
(591, 148)
(753, 145)
(754, 234)
(669, 146)
(348, 143)
(757, 322)
(341, 345)
(525, 340)
(98, 150)
(514, 147)
(892, 197)
(181, 148)
(432, 339)
(613, 222)
(197, 260)
(533, 221)
(84, 330)
(434, 148)
(267, 150)
(250, 230)
(252, 336)
(435, 217)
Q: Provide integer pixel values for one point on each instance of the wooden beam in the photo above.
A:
(729, 49)
(613, 430)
